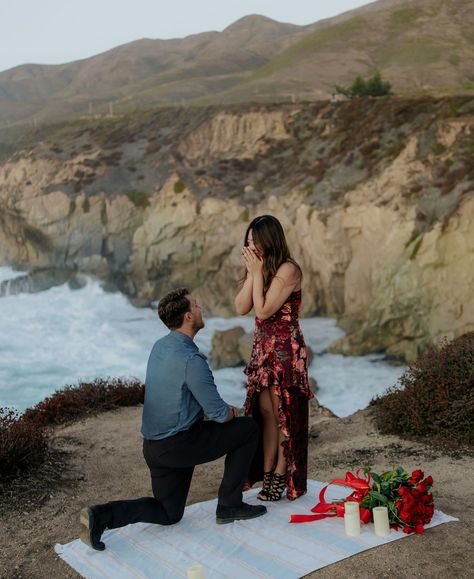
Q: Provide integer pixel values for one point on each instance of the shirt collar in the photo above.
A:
(182, 338)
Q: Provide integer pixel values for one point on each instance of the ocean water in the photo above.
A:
(60, 336)
(7, 273)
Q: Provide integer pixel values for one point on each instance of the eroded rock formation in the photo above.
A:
(376, 198)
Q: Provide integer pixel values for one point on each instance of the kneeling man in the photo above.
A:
(179, 392)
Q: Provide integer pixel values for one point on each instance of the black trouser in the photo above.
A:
(171, 462)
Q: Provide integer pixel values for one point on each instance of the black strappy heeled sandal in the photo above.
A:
(266, 486)
(277, 487)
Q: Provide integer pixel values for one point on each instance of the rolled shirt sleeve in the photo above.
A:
(200, 381)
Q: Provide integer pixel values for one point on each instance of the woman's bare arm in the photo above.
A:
(244, 300)
(285, 281)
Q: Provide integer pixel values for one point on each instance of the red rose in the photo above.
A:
(405, 516)
(419, 529)
(365, 515)
(417, 474)
(407, 529)
(408, 499)
(421, 487)
(428, 480)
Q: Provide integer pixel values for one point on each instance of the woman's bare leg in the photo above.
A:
(281, 460)
(269, 430)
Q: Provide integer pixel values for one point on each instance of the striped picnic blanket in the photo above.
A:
(267, 547)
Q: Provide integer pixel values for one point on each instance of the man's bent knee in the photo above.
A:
(174, 517)
(248, 424)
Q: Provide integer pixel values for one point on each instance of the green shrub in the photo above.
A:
(138, 198)
(437, 395)
(307, 188)
(373, 86)
(179, 186)
(395, 149)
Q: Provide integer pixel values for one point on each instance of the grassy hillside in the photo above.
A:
(426, 45)
(418, 45)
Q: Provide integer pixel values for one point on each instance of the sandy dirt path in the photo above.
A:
(104, 462)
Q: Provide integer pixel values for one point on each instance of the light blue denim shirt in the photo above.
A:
(179, 388)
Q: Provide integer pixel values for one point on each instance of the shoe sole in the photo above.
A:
(221, 521)
(86, 518)
(267, 499)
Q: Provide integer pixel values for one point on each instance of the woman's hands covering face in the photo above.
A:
(252, 261)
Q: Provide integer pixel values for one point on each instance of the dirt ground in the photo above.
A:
(102, 460)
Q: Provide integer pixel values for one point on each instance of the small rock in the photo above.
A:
(225, 348)
(318, 410)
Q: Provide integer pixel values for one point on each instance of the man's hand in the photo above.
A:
(233, 412)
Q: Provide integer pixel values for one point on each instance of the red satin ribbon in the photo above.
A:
(324, 509)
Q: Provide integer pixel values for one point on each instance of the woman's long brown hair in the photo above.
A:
(268, 235)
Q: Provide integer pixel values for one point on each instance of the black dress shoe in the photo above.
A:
(243, 511)
(92, 527)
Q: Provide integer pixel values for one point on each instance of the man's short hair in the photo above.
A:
(173, 306)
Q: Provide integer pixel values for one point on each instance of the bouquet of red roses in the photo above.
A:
(407, 497)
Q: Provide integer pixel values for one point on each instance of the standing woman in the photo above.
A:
(278, 389)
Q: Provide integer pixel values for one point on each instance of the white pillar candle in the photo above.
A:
(351, 507)
(195, 572)
(381, 524)
(352, 524)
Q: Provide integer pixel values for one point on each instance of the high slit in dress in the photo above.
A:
(279, 361)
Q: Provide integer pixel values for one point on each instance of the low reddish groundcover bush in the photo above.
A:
(23, 444)
(73, 402)
(437, 395)
(24, 437)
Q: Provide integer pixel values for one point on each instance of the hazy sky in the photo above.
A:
(58, 31)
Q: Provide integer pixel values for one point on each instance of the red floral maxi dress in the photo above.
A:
(279, 361)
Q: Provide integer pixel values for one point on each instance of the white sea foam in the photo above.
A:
(7, 273)
(61, 336)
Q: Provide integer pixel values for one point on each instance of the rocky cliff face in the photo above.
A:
(376, 197)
